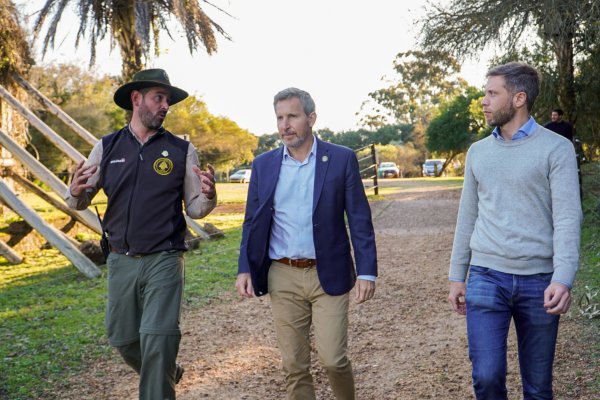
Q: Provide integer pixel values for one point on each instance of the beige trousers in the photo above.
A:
(297, 299)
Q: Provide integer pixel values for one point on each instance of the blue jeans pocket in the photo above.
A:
(476, 269)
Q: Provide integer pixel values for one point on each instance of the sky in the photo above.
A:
(337, 50)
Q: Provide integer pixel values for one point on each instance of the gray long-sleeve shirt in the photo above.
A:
(520, 210)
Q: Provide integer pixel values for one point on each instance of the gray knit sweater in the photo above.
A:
(520, 210)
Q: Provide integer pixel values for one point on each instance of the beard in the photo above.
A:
(503, 115)
(149, 120)
(295, 142)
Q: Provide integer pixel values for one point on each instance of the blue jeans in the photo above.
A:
(493, 298)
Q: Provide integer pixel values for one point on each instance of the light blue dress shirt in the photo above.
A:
(292, 228)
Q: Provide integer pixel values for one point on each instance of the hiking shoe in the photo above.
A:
(178, 373)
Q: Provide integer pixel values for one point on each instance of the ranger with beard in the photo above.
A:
(148, 174)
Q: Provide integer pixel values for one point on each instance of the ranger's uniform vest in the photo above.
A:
(144, 186)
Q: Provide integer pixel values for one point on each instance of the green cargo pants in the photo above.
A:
(142, 317)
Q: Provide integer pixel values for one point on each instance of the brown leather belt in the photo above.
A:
(298, 263)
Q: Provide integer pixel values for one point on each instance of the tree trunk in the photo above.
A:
(559, 26)
(123, 25)
(563, 49)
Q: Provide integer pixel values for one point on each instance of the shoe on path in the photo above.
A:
(178, 373)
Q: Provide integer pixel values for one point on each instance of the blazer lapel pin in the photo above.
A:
(324, 158)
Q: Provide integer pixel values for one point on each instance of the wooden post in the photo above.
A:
(49, 199)
(11, 256)
(197, 228)
(44, 175)
(80, 261)
(61, 143)
(375, 177)
(54, 109)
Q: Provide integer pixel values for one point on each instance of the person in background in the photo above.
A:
(147, 174)
(295, 245)
(516, 245)
(560, 126)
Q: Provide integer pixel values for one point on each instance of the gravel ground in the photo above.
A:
(405, 343)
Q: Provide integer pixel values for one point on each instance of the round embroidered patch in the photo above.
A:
(163, 166)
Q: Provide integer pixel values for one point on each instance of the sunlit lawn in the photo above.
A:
(392, 186)
(230, 193)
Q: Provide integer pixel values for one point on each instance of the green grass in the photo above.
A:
(52, 317)
(589, 273)
(392, 186)
(587, 280)
(232, 193)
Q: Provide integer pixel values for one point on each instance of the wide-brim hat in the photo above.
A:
(144, 79)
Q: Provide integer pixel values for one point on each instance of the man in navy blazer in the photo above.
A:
(295, 245)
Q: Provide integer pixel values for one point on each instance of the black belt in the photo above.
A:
(298, 263)
(123, 251)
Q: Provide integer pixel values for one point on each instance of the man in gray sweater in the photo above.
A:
(517, 237)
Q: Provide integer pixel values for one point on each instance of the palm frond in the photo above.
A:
(135, 25)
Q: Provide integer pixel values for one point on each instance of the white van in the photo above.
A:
(433, 165)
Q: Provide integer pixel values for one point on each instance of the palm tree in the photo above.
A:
(15, 57)
(569, 27)
(14, 49)
(134, 25)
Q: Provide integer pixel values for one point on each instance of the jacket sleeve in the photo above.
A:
(252, 203)
(360, 223)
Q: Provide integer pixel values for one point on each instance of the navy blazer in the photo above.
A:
(338, 191)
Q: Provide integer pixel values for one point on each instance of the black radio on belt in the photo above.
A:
(104, 239)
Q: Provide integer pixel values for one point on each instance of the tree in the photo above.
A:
(424, 80)
(453, 130)
(133, 25)
(15, 55)
(588, 103)
(405, 156)
(219, 140)
(267, 142)
(86, 97)
(567, 27)
(351, 139)
(398, 134)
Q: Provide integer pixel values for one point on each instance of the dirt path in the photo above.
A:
(404, 344)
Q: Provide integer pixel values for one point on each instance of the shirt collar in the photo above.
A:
(313, 150)
(523, 131)
(159, 130)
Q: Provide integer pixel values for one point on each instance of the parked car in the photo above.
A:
(388, 170)
(241, 176)
(433, 166)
